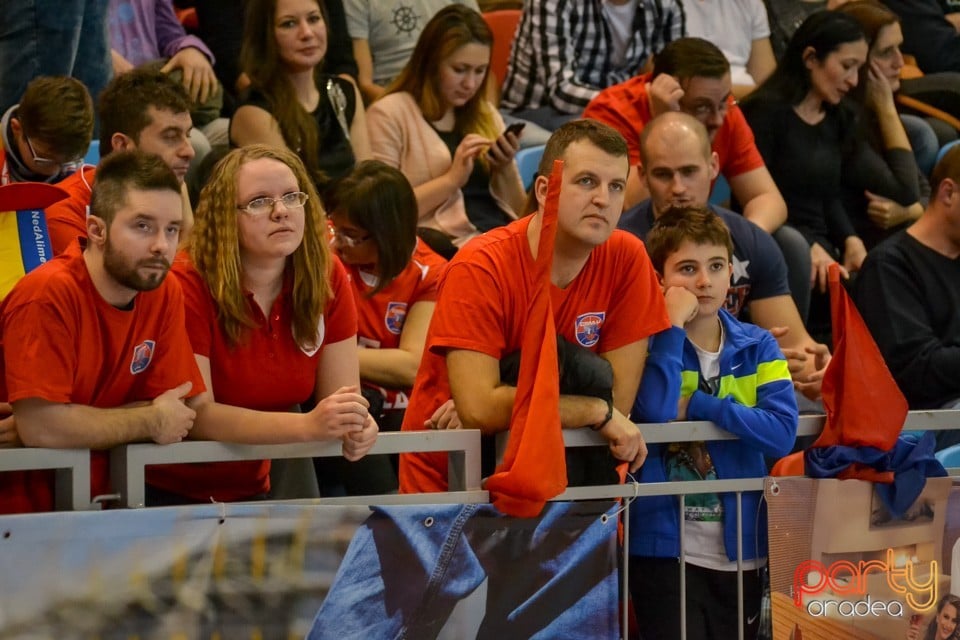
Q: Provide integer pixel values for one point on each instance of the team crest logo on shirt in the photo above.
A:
(587, 327)
(394, 317)
(142, 355)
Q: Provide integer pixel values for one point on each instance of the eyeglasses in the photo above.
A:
(704, 110)
(265, 205)
(63, 167)
(344, 239)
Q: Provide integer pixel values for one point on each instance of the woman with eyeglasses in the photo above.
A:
(436, 125)
(272, 323)
(394, 277)
(291, 102)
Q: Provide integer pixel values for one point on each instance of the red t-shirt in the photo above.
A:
(381, 316)
(626, 108)
(62, 342)
(268, 371)
(485, 292)
(67, 219)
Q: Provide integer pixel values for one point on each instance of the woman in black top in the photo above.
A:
(882, 185)
(803, 130)
(292, 102)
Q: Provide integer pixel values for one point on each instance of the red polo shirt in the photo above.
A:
(267, 371)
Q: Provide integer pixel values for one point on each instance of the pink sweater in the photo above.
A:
(401, 137)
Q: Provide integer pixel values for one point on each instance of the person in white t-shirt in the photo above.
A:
(384, 35)
(740, 29)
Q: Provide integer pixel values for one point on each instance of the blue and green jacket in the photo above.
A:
(755, 402)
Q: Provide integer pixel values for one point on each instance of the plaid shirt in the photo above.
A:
(561, 54)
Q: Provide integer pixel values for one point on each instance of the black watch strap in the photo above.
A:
(607, 418)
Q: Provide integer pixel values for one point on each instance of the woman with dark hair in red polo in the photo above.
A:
(394, 277)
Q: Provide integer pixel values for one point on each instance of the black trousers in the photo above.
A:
(711, 600)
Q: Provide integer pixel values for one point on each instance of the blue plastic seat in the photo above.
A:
(945, 148)
(949, 457)
(720, 194)
(527, 161)
(93, 153)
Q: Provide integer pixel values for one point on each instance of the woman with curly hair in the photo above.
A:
(436, 125)
(272, 322)
(291, 102)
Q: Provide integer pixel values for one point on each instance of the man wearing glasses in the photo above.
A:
(141, 109)
(44, 138)
(693, 76)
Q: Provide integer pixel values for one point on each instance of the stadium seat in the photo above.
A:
(949, 457)
(527, 161)
(945, 148)
(503, 24)
(188, 18)
(93, 153)
(720, 194)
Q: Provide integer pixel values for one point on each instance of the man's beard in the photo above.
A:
(119, 268)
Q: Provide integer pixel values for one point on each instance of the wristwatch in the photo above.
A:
(607, 418)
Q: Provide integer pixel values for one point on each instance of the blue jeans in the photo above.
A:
(796, 253)
(50, 38)
(923, 141)
(554, 576)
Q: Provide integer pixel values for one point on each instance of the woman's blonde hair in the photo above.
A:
(214, 248)
(451, 28)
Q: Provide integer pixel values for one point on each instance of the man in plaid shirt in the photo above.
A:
(568, 50)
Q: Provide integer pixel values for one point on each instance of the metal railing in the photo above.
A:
(71, 469)
(128, 464)
(663, 433)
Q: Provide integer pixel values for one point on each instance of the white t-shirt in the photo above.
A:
(703, 513)
(391, 28)
(732, 25)
(620, 20)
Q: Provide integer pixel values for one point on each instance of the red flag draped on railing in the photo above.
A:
(533, 468)
(864, 405)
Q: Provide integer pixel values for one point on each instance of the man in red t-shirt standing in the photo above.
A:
(93, 349)
(604, 294)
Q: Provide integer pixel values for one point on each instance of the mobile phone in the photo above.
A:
(515, 128)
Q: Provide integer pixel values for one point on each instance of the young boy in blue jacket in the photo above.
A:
(707, 366)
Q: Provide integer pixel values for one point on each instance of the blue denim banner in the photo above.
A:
(554, 576)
